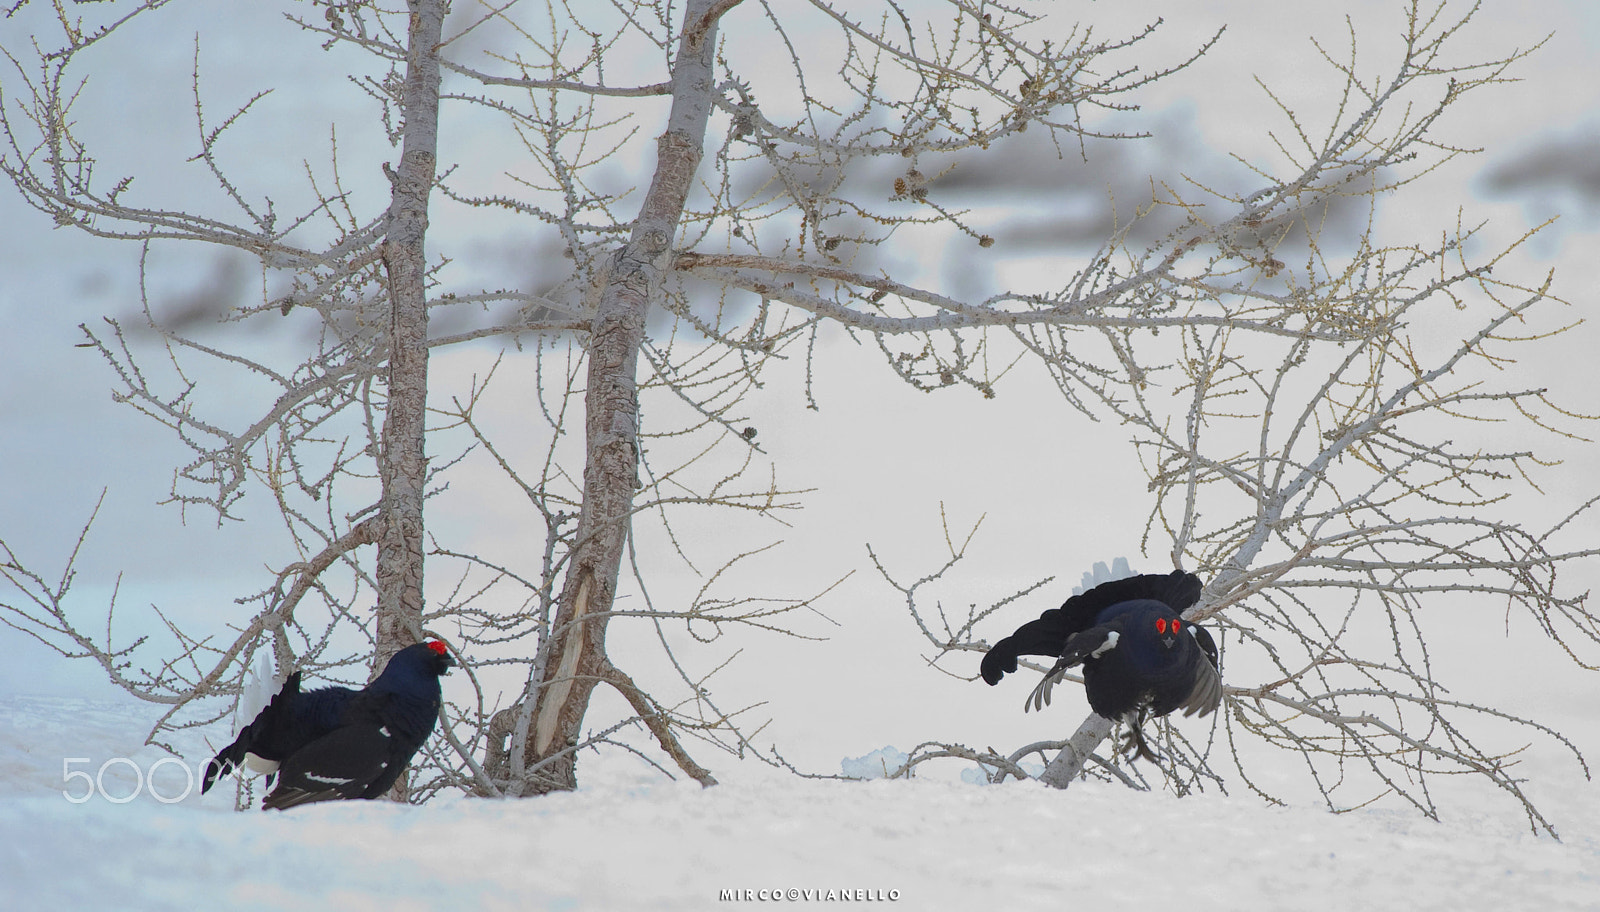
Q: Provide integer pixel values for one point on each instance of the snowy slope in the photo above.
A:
(628, 841)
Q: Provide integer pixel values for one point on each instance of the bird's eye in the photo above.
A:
(1161, 625)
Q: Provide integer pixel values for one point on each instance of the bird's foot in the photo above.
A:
(1135, 747)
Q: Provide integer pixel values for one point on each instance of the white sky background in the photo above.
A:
(1057, 492)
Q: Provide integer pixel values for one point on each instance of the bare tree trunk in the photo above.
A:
(1069, 763)
(576, 660)
(403, 464)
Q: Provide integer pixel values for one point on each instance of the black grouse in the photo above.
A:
(334, 742)
(1140, 658)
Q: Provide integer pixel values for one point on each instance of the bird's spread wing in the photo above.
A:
(1206, 694)
(1089, 644)
(1207, 644)
(1043, 637)
(1085, 644)
(1040, 697)
(1047, 636)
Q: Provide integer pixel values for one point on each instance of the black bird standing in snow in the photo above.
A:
(334, 742)
(1140, 658)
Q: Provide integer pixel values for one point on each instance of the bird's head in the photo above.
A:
(439, 656)
(419, 665)
(1167, 631)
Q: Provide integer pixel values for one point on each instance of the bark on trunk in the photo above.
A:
(1068, 765)
(576, 660)
(403, 463)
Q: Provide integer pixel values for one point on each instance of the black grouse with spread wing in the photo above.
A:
(1140, 658)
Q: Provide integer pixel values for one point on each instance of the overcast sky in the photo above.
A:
(882, 457)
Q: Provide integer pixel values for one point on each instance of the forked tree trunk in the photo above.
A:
(403, 462)
(576, 660)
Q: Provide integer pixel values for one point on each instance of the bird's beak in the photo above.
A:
(1169, 641)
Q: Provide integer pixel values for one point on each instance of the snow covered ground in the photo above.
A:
(630, 840)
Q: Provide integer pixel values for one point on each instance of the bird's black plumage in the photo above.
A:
(1140, 658)
(334, 742)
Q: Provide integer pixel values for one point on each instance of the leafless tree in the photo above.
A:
(1325, 491)
(672, 303)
